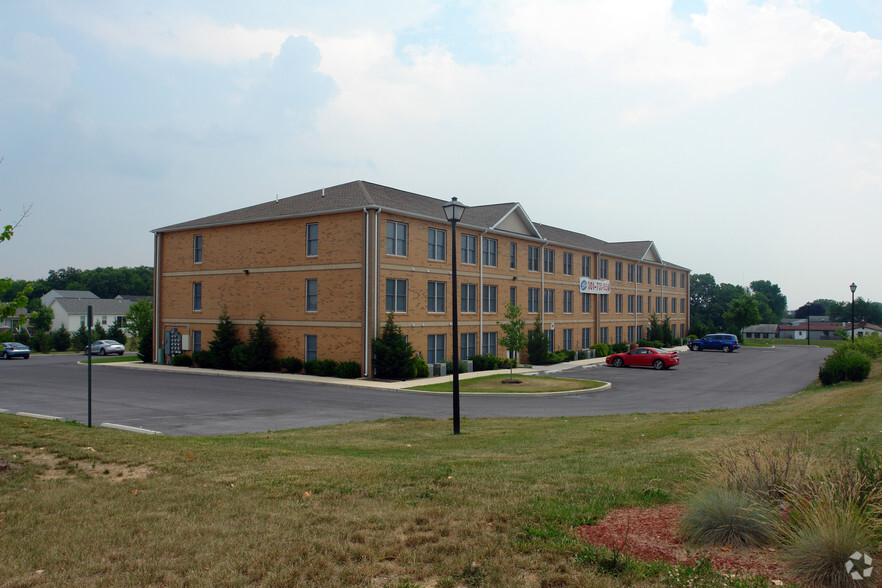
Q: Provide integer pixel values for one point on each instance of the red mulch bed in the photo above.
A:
(650, 534)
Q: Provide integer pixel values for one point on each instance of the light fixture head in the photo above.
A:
(853, 287)
(453, 210)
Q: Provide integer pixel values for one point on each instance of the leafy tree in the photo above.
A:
(42, 318)
(394, 356)
(224, 341)
(139, 322)
(513, 337)
(773, 297)
(537, 344)
(20, 300)
(709, 301)
(810, 309)
(864, 310)
(61, 339)
(742, 312)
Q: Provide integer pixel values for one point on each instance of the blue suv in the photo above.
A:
(720, 341)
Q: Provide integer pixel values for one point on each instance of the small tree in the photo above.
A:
(537, 344)
(41, 319)
(655, 329)
(81, 337)
(394, 356)
(513, 339)
(257, 355)
(98, 332)
(224, 341)
(116, 333)
(139, 321)
(61, 339)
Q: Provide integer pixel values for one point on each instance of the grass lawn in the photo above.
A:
(779, 342)
(397, 503)
(500, 383)
(114, 359)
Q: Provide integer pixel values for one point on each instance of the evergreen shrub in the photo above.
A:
(292, 365)
(844, 364)
(348, 369)
(182, 360)
(600, 349)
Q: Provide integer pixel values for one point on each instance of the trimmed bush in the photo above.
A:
(421, 368)
(483, 363)
(394, 356)
(182, 360)
(309, 367)
(61, 339)
(619, 347)
(41, 342)
(844, 364)
(463, 367)
(203, 359)
(292, 365)
(719, 517)
(600, 349)
(348, 369)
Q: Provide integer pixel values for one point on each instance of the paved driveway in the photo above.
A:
(182, 402)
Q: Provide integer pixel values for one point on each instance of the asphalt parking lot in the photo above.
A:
(178, 401)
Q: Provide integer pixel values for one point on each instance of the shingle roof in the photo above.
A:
(99, 305)
(360, 194)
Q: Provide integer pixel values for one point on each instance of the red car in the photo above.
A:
(645, 356)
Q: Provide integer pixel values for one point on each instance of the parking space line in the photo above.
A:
(130, 429)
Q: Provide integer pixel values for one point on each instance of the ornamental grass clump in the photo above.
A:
(722, 518)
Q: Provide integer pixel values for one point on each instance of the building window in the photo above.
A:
(488, 299)
(682, 306)
(197, 341)
(548, 261)
(658, 277)
(665, 278)
(618, 334)
(197, 248)
(548, 300)
(683, 280)
(658, 304)
(586, 303)
(618, 271)
(631, 272)
(396, 295)
(639, 332)
(604, 303)
(567, 263)
(649, 276)
(533, 300)
(488, 343)
(197, 295)
(469, 245)
(513, 255)
(435, 349)
(469, 295)
(467, 343)
(618, 304)
(311, 295)
(104, 319)
(311, 239)
(82, 321)
(550, 334)
(639, 304)
(532, 258)
(488, 252)
(586, 337)
(437, 244)
(639, 274)
(586, 266)
(630, 304)
(631, 334)
(665, 305)
(311, 347)
(513, 295)
(568, 302)
(396, 238)
(604, 335)
(604, 269)
(567, 339)
(437, 294)
(673, 279)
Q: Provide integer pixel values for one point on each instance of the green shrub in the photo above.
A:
(583, 354)
(463, 367)
(482, 363)
(394, 356)
(537, 344)
(421, 368)
(292, 365)
(41, 342)
(721, 517)
(61, 339)
(600, 349)
(844, 364)
(182, 360)
(145, 347)
(203, 358)
(309, 367)
(241, 359)
(326, 368)
(348, 369)
(870, 345)
(619, 347)
(224, 342)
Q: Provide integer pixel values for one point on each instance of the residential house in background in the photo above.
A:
(47, 298)
(325, 267)
(72, 312)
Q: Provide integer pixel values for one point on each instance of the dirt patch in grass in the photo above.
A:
(651, 534)
(59, 468)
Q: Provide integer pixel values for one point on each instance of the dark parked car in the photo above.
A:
(12, 349)
(645, 356)
(717, 341)
(106, 347)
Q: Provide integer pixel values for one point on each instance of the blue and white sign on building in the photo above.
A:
(590, 286)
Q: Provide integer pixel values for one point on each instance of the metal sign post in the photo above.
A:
(89, 359)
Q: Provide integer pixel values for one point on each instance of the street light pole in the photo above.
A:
(853, 287)
(453, 212)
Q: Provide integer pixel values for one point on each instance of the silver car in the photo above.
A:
(106, 347)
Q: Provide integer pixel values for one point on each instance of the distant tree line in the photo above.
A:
(730, 308)
(104, 282)
(864, 310)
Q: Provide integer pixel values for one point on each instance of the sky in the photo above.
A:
(742, 137)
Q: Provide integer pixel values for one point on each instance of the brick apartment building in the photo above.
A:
(325, 267)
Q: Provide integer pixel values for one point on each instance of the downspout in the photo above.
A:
(481, 280)
(157, 276)
(367, 311)
(376, 265)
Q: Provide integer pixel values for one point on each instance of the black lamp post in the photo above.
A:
(853, 287)
(453, 211)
